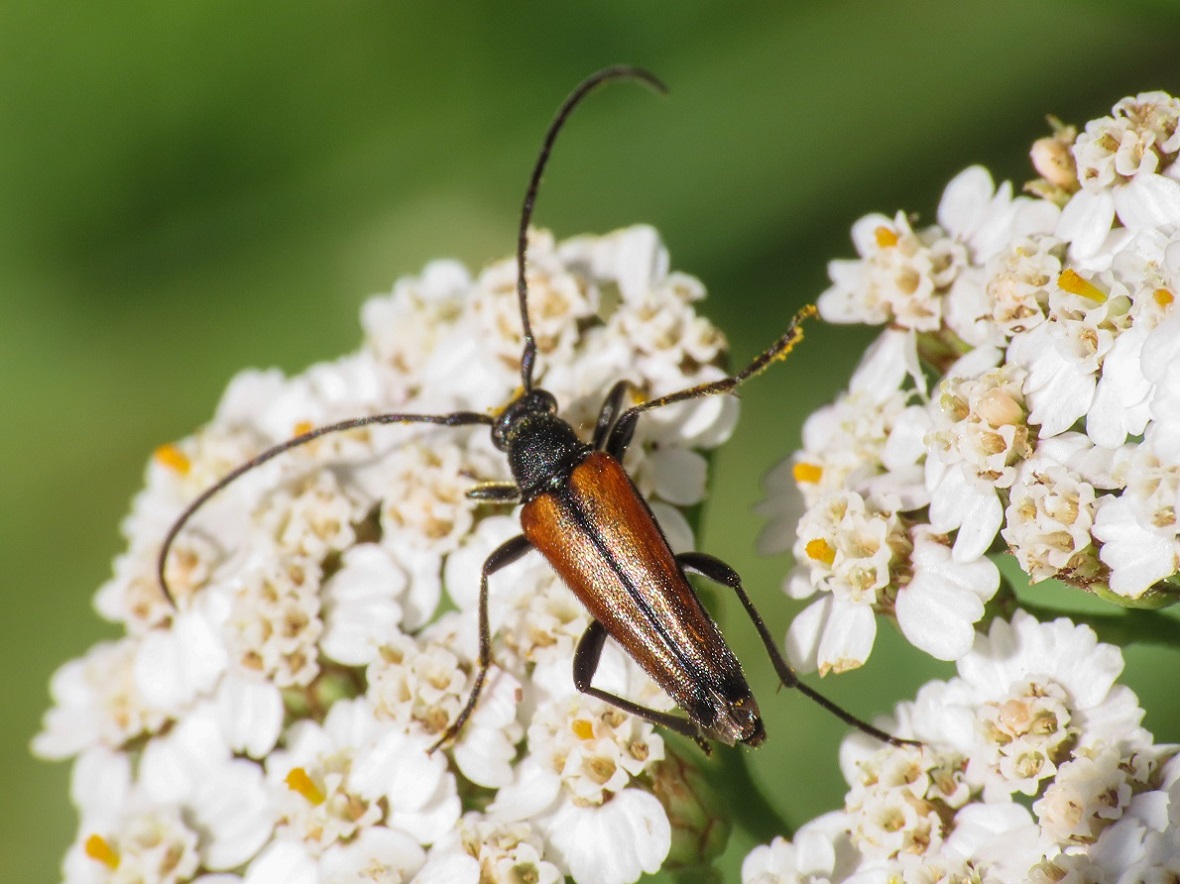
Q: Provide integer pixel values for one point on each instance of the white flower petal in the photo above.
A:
(886, 364)
(452, 867)
(1001, 837)
(376, 854)
(100, 783)
(679, 475)
(233, 811)
(614, 843)
(283, 862)
(173, 766)
(965, 200)
(174, 666)
(971, 506)
(937, 621)
(1085, 222)
(847, 637)
(534, 790)
(676, 529)
(397, 766)
(1121, 402)
(430, 823)
(1137, 556)
(250, 714)
(361, 605)
(1148, 201)
(804, 633)
(484, 752)
(1058, 388)
(975, 362)
(906, 444)
(938, 609)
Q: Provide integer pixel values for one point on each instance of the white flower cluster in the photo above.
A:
(1034, 711)
(1024, 395)
(274, 726)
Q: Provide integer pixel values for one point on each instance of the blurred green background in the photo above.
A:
(190, 189)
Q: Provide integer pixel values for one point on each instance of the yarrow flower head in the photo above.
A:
(1034, 711)
(1022, 400)
(1019, 398)
(275, 724)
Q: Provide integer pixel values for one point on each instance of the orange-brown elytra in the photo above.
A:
(599, 535)
(584, 515)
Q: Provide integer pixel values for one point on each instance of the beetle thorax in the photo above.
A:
(541, 447)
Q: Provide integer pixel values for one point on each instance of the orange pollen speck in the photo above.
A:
(170, 456)
(820, 550)
(807, 472)
(582, 729)
(304, 427)
(885, 237)
(1076, 284)
(298, 781)
(98, 848)
(1163, 297)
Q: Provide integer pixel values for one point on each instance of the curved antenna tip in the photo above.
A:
(627, 71)
(615, 72)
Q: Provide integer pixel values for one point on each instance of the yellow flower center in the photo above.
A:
(807, 473)
(885, 237)
(299, 781)
(98, 848)
(170, 456)
(1073, 282)
(820, 550)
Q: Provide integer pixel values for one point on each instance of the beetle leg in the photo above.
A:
(611, 406)
(586, 659)
(613, 434)
(505, 554)
(620, 436)
(494, 492)
(719, 572)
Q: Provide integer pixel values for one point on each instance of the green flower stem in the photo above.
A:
(698, 875)
(1132, 626)
(730, 776)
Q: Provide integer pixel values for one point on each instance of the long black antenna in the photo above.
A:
(528, 356)
(456, 419)
(619, 72)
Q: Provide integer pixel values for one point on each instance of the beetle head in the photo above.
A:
(519, 414)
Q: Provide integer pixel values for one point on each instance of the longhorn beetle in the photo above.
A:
(582, 512)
